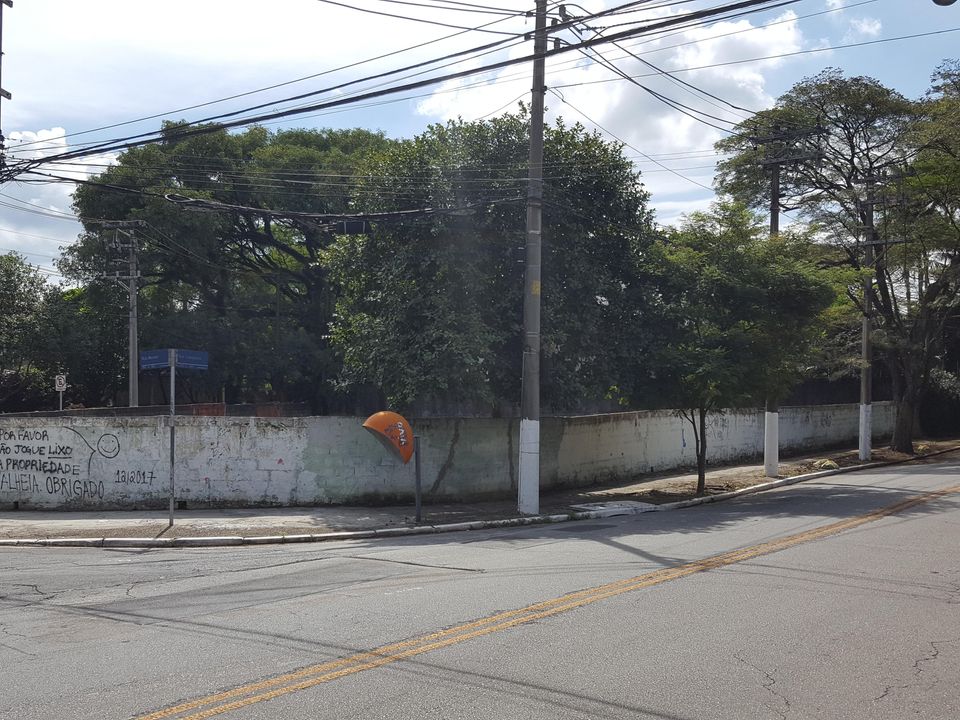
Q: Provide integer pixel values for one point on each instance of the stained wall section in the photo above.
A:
(73, 463)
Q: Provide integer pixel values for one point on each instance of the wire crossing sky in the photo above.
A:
(87, 79)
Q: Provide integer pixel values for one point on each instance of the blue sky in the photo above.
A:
(74, 67)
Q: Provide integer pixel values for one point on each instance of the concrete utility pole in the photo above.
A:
(528, 486)
(866, 346)
(771, 416)
(131, 283)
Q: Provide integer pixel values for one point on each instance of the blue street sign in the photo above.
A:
(192, 359)
(186, 359)
(153, 359)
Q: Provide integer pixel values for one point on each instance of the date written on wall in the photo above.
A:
(134, 477)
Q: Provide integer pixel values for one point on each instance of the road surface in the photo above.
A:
(835, 599)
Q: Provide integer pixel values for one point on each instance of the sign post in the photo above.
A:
(60, 384)
(173, 358)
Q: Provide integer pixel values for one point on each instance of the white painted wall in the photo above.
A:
(74, 463)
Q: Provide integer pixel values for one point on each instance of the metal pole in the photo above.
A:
(771, 418)
(134, 379)
(528, 486)
(61, 401)
(417, 482)
(173, 429)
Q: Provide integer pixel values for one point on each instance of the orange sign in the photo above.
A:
(394, 432)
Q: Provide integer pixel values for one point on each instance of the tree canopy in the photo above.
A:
(740, 310)
(432, 310)
(879, 184)
(351, 271)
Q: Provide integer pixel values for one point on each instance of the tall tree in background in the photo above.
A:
(246, 285)
(21, 297)
(868, 133)
(430, 310)
(84, 336)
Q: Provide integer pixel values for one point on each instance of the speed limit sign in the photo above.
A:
(60, 383)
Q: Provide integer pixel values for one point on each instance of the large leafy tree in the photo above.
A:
(84, 336)
(430, 308)
(867, 135)
(22, 290)
(740, 310)
(243, 279)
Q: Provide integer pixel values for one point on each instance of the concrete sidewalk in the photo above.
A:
(305, 523)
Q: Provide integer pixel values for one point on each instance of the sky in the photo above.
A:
(75, 68)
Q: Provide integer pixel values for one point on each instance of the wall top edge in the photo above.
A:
(303, 420)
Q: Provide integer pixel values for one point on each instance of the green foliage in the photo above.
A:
(740, 306)
(249, 289)
(85, 336)
(887, 171)
(21, 296)
(431, 310)
(740, 313)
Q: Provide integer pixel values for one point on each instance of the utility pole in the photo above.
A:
(776, 160)
(866, 342)
(131, 283)
(528, 485)
(771, 416)
(4, 95)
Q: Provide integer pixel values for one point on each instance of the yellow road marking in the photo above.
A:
(326, 672)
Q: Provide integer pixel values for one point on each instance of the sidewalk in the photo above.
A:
(298, 521)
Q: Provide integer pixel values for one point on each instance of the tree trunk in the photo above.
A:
(905, 391)
(903, 424)
(702, 453)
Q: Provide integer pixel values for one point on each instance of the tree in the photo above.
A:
(740, 308)
(21, 295)
(430, 309)
(868, 133)
(242, 279)
(83, 335)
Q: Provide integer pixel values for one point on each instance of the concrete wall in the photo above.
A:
(74, 463)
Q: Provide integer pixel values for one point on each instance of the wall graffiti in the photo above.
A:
(48, 462)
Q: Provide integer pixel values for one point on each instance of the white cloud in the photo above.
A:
(862, 28)
(37, 215)
(635, 115)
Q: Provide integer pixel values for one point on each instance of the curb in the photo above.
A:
(233, 540)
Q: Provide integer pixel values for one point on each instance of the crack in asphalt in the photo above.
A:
(7, 631)
(917, 669)
(768, 685)
(36, 589)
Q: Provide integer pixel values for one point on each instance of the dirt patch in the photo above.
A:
(666, 490)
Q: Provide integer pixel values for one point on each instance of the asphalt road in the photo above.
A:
(837, 599)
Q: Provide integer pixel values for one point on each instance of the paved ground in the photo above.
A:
(317, 520)
(834, 599)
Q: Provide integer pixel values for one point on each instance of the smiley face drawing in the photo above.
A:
(108, 445)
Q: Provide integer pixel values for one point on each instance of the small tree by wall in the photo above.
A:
(740, 308)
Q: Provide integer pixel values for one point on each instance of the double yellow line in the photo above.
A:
(250, 694)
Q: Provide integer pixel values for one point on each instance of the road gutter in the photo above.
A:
(233, 540)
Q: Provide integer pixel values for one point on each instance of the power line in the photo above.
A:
(670, 102)
(772, 57)
(267, 88)
(436, 40)
(625, 143)
(455, 7)
(135, 141)
(412, 19)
